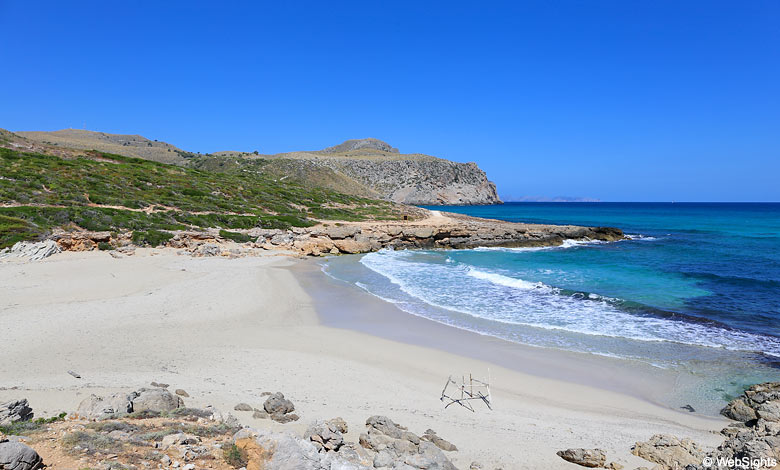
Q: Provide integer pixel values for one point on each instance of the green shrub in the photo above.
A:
(151, 238)
(234, 456)
(235, 236)
(105, 246)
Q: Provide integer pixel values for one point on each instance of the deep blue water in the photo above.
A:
(697, 287)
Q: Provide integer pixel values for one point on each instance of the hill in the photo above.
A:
(119, 144)
(362, 167)
(45, 186)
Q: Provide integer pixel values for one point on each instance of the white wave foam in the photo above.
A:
(496, 297)
(504, 280)
(639, 236)
(567, 243)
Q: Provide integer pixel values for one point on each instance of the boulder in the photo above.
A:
(669, 451)
(243, 407)
(14, 411)
(157, 400)
(277, 404)
(182, 393)
(586, 457)
(18, 456)
(95, 407)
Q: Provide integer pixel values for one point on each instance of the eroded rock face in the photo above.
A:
(15, 411)
(585, 457)
(18, 456)
(430, 181)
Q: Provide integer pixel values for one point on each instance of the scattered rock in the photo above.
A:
(243, 407)
(179, 439)
(614, 466)
(18, 456)
(14, 411)
(159, 385)
(74, 374)
(585, 457)
(182, 393)
(260, 414)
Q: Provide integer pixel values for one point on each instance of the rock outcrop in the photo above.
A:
(390, 443)
(358, 144)
(15, 411)
(327, 436)
(33, 251)
(753, 442)
(452, 231)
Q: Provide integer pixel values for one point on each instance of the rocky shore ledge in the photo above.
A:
(434, 230)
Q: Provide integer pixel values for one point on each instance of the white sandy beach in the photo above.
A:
(226, 330)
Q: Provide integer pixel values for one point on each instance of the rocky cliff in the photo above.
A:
(433, 182)
(405, 178)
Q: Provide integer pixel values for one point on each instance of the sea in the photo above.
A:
(695, 288)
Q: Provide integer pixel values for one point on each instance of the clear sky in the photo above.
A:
(617, 100)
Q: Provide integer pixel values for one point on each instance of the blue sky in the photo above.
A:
(617, 100)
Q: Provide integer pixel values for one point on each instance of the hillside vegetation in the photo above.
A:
(361, 167)
(104, 192)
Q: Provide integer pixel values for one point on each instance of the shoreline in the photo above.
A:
(226, 330)
(386, 320)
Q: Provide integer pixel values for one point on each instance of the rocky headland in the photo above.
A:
(433, 230)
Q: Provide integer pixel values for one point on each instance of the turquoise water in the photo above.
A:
(696, 289)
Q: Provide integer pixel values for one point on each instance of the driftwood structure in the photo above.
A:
(466, 391)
